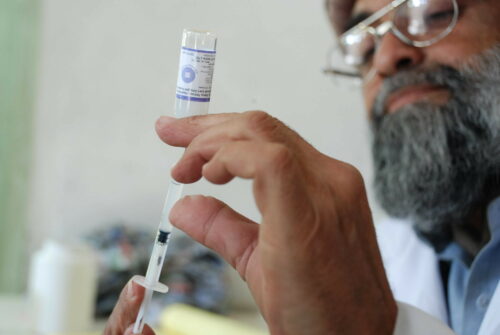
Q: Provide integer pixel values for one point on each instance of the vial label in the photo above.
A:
(195, 75)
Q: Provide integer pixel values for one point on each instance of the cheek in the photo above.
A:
(370, 91)
(478, 30)
(456, 52)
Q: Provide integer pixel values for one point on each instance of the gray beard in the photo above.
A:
(434, 164)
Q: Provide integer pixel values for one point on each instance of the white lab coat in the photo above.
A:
(413, 272)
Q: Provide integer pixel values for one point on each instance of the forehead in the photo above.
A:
(369, 6)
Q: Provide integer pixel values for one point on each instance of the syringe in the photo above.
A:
(193, 92)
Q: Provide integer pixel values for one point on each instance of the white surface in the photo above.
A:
(108, 69)
(412, 321)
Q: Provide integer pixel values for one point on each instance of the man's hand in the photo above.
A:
(121, 321)
(313, 264)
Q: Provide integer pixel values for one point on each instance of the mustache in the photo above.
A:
(439, 75)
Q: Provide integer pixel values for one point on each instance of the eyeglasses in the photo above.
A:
(419, 23)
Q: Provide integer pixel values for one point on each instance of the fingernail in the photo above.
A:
(173, 167)
(174, 214)
(163, 120)
(130, 331)
(132, 289)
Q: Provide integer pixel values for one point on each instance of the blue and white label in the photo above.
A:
(196, 71)
(188, 74)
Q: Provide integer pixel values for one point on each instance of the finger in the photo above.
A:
(279, 185)
(180, 132)
(230, 161)
(254, 125)
(271, 164)
(126, 309)
(203, 147)
(217, 226)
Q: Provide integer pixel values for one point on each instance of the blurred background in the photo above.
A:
(83, 81)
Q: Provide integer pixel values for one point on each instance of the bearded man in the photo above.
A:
(430, 72)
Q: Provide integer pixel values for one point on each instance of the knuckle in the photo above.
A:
(261, 122)
(353, 179)
(197, 142)
(227, 149)
(354, 174)
(281, 157)
(195, 119)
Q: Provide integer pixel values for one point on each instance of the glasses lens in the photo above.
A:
(425, 21)
(337, 66)
(357, 47)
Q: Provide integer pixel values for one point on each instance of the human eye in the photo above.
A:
(439, 13)
(439, 17)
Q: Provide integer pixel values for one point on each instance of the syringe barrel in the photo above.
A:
(156, 263)
(174, 193)
(196, 69)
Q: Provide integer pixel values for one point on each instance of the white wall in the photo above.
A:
(108, 69)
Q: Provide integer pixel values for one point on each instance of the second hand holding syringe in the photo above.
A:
(194, 86)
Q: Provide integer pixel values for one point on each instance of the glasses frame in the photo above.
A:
(380, 31)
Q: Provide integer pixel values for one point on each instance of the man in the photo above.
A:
(314, 265)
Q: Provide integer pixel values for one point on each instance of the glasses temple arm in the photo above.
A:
(341, 73)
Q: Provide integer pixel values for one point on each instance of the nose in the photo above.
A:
(393, 55)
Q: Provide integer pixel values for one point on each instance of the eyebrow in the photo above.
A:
(355, 19)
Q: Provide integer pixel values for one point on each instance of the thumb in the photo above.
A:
(126, 310)
(217, 226)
